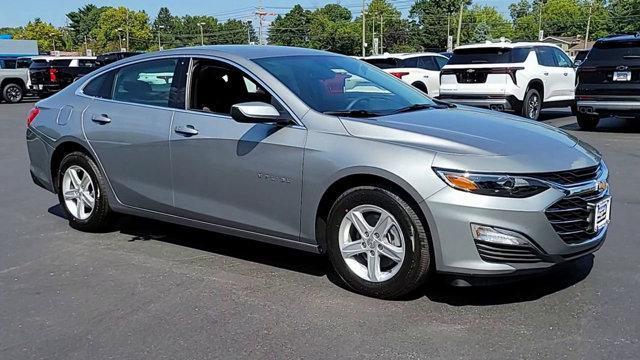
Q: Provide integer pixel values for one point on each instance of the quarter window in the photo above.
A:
(148, 83)
(442, 61)
(100, 87)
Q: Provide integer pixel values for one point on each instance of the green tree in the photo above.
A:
(481, 33)
(625, 16)
(45, 33)
(234, 32)
(189, 30)
(167, 26)
(292, 29)
(434, 18)
(331, 29)
(82, 22)
(134, 23)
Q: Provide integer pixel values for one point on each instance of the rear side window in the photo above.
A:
(383, 63)
(615, 51)
(428, 63)
(23, 63)
(101, 86)
(546, 56)
(86, 63)
(409, 63)
(147, 83)
(489, 56)
(62, 63)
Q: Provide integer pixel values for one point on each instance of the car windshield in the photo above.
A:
(338, 84)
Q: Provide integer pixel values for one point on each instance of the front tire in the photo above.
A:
(587, 122)
(12, 93)
(532, 105)
(82, 193)
(377, 243)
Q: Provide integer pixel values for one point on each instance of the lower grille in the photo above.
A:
(498, 253)
(571, 216)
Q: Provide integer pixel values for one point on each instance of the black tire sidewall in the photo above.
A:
(525, 104)
(101, 207)
(383, 199)
(6, 89)
(587, 122)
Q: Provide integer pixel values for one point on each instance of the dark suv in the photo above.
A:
(608, 82)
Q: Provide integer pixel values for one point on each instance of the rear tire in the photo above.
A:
(12, 93)
(532, 105)
(82, 193)
(587, 122)
(399, 248)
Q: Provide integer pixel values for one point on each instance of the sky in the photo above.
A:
(15, 13)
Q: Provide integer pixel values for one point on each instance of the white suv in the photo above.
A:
(522, 77)
(421, 70)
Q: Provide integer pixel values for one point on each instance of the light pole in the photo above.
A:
(119, 30)
(201, 24)
(53, 39)
(160, 27)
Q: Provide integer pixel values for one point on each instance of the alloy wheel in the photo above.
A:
(371, 243)
(534, 106)
(79, 192)
(13, 94)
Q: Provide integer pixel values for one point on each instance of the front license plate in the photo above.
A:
(602, 213)
(622, 76)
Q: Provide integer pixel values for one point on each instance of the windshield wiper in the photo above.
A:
(444, 103)
(352, 113)
(414, 107)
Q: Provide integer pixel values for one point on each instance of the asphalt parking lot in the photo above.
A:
(154, 291)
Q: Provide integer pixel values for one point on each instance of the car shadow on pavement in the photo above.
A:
(524, 289)
(610, 125)
(437, 290)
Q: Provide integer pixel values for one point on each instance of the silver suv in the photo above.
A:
(322, 153)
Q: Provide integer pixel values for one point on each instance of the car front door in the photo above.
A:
(568, 72)
(127, 126)
(237, 175)
(551, 74)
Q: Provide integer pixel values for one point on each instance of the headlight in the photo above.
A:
(492, 185)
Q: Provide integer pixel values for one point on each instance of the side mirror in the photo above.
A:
(256, 112)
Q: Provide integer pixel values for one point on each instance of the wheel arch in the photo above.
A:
(536, 84)
(349, 181)
(63, 148)
(418, 84)
(13, 80)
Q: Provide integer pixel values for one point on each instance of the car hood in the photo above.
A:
(480, 140)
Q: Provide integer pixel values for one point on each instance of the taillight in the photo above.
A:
(53, 75)
(511, 71)
(32, 115)
(399, 74)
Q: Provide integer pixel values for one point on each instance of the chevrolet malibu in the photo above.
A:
(323, 153)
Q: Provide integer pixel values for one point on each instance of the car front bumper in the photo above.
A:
(451, 213)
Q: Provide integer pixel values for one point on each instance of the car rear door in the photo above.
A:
(238, 175)
(128, 124)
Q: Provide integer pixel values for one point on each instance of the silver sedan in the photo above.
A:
(323, 153)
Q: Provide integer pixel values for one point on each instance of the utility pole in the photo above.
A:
(586, 37)
(159, 44)
(364, 40)
(127, 30)
(201, 24)
(381, 33)
(249, 32)
(261, 13)
(540, 5)
(374, 47)
(460, 23)
(53, 39)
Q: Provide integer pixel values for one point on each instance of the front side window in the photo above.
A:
(562, 59)
(442, 61)
(147, 83)
(217, 86)
(333, 84)
(546, 56)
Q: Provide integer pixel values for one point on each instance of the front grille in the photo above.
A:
(499, 253)
(571, 216)
(570, 176)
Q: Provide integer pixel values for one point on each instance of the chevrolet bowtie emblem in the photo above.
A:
(471, 71)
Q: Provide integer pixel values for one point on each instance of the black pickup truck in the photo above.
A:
(608, 81)
(51, 74)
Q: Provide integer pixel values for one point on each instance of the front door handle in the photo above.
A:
(187, 130)
(101, 119)
(566, 74)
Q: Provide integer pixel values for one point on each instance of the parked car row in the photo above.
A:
(45, 75)
(527, 77)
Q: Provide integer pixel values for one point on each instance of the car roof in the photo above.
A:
(246, 51)
(401, 55)
(620, 38)
(504, 44)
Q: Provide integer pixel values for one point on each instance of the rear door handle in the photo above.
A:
(187, 130)
(546, 74)
(101, 119)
